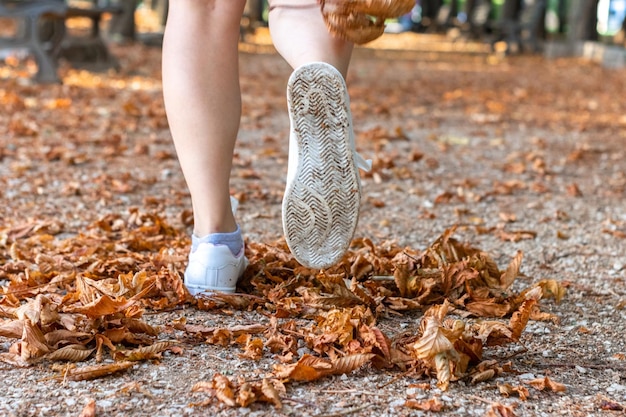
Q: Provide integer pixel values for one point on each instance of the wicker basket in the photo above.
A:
(361, 21)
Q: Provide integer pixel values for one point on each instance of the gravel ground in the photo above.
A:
(520, 153)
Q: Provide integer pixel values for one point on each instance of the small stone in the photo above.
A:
(528, 376)
(581, 369)
(166, 173)
(618, 266)
(397, 403)
(615, 387)
(104, 404)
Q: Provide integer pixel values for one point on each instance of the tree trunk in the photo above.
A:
(583, 20)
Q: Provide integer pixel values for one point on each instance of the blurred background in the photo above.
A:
(80, 31)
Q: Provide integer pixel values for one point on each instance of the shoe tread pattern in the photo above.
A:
(321, 205)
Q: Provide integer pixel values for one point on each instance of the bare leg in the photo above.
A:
(322, 193)
(203, 102)
(300, 36)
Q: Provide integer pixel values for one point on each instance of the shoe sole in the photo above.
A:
(321, 204)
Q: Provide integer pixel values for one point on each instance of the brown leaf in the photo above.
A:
(507, 390)
(140, 326)
(12, 329)
(401, 277)
(378, 339)
(494, 333)
(472, 348)
(519, 319)
(33, 344)
(347, 364)
(611, 405)
(443, 364)
(253, 349)
(14, 359)
(88, 373)
(362, 294)
(488, 308)
(512, 271)
(224, 390)
(308, 368)
(516, 235)
(64, 336)
(269, 390)
(34, 309)
(342, 297)
(501, 410)
(234, 330)
(403, 304)
(145, 352)
(123, 335)
(105, 305)
(70, 353)
(433, 341)
(432, 404)
(90, 409)
(102, 340)
(245, 395)
(483, 376)
(547, 384)
(203, 386)
(552, 288)
(574, 191)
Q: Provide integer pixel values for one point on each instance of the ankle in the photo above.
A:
(206, 226)
(233, 240)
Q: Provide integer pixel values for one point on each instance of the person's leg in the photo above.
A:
(203, 102)
(323, 190)
(300, 36)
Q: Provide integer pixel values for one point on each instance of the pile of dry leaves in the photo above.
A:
(82, 298)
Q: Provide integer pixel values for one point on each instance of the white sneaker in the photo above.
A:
(214, 267)
(323, 192)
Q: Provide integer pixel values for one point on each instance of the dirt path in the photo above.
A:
(520, 154)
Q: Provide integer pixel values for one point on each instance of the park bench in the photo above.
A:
(42, 31)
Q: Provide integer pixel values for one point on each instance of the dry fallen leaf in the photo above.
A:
(87, 373)
(89, 410)
(104, 313)
(308, 368)
(270, 391)
(347, 364)
(105, 305)
(143, 353)
(507, 390)
(70, 353)
(547, 384)
(432, 404)
(501, 410)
